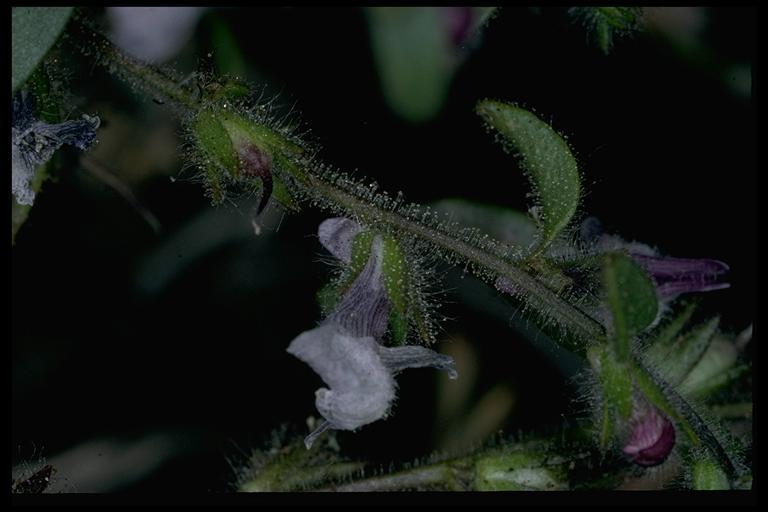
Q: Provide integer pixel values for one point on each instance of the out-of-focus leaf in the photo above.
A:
(668, 333)
(34, 30)
(503, 224)
(631, 299)
(606, 22)
(546, 160)
(687, 352)
(413, 54)
(227, 55)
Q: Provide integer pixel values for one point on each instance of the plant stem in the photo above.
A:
(93, 43)
(537, 295)
(441, 475)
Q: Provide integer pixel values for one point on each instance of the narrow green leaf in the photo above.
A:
(395, 276)
(282, 195)
(361, 251)
(546, 160)
(702, 385)
(606, 427)
(617, 384)
(668, 333)
(631, 299)
(214, 139)
(603, 36)
(607, 22)
(34, 30)
(655, 395)
(329, 295)
(616, 390)
(707, 475)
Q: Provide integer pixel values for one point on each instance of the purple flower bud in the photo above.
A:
(652, 437)
(674, 276)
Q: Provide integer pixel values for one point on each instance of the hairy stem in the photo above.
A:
(95, 44)
(441, 475)
(539, 297)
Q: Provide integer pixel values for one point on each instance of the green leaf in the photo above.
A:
(617, 384)
(631, 298)
(546, 160)
(607, 22)
(655, 395)
(503, 224)
(215, 141)
(615, 380)
(668, 333)
(227, 56)
(521, 469)
(707, 475)
(413, 55)
(708, 377)
(34, 30)
(331, 293)
(395, 278)
(685, 354)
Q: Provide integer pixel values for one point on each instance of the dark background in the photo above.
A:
(666, 147)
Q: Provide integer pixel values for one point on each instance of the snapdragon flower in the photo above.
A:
(346, 349)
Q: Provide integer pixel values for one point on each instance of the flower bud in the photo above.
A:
(652, 437)
(237, 150)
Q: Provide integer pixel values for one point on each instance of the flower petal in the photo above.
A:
(33, 143)
(362, 388)
(415, 356)
(336, 235)
(364, 308)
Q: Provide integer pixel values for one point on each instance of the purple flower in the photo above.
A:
(652, 437)
(33, 142)
(345, 350)
(674, 276)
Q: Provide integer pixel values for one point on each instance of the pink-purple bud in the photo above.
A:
(651, 439)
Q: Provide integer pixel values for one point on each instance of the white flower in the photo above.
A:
(345, 350)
